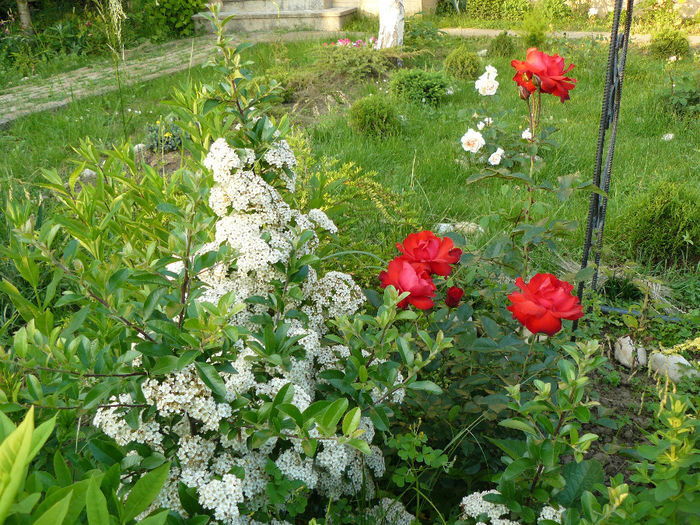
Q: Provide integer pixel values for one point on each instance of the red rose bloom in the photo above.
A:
(543, 303)
(403, 276)
(550, 73)
(454, 295)
(430, 253)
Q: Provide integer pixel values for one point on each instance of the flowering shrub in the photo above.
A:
(346, 42)
(424, 255)
(215, 352)
(543, 303)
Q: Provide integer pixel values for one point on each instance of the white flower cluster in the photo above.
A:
(472, 141)
(390, 512)
(474, 506)
(113, 424)
(550, 513)
(280, 155)
(486, 84)
(260, 229)
(527, 134)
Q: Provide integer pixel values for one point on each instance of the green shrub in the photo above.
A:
(514, 9)
(502, 46)
(555, 9)
(172, 17)
(663, 223)
(462, 63)
(669, 42)
(355, 62)
(374, 115)
(417, 85)
(534, 28)
(494, 9)
(164, 136)
(420, 32)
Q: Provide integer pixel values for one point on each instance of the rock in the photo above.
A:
(641, 355)
(465, 228)
(629, 354)
(140, 148)
(675, 365)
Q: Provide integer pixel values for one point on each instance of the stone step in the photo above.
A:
(330, 19)
(273, 6)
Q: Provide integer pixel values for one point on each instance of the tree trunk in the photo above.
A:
(24, 17)
(391, 17)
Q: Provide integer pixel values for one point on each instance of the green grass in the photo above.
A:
(420, 164)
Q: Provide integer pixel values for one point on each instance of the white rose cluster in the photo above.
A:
(259, 228)
(486, 84)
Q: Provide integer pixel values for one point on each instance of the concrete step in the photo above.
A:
(273, 6)
(330, 19)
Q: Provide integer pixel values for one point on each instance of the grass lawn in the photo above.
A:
(422, 165)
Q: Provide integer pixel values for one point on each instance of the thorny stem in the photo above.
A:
(529, 354)
(540, 468)
(185, 281)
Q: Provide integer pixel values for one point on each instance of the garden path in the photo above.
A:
(143, 63)
(152, 61)
(473, 32)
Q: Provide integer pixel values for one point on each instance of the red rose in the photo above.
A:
(543, 303)
(403, 276)
(454, 295)
(545, 71)
(430, 253)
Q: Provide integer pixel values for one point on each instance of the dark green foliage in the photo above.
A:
(555, 9)
(462, 63)
(663, 223)
(684, 100)
(535, 28)
(357, 63)
(416, 85)
(669, 42)
(502, 46)
(163, 136)
(490, 9)
(420, 32)
(172, 17)
(374, 115)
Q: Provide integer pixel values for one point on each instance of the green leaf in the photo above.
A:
(519, 424)
(157, 519)
(426, 386)
(57, 513)
(14, 453)
(517, 467)
(145, 491)
(351, 421)
(96, 505)
(211, 378)
(61, 470)
(579, 477)
(332, 415)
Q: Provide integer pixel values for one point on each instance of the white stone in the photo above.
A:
(675, 365)
(465, 228)
(140, 148)
(629, 354)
